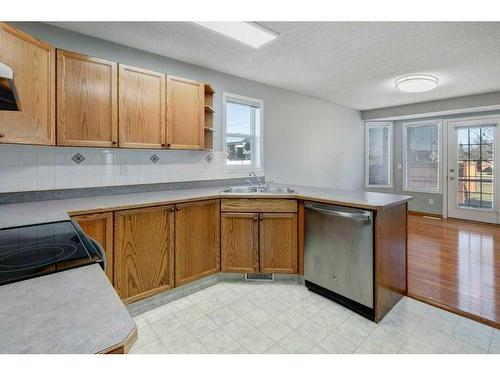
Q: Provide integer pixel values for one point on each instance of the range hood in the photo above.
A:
(9, 101)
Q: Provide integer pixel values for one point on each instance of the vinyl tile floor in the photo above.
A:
(280, 318)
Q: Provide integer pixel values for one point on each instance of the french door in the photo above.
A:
(473, 150)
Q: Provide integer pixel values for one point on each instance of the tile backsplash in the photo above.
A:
(29, 168)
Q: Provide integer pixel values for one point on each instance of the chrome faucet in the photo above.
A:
(253, 178)
(256, 182)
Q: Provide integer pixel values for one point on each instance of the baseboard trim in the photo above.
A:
(420, 213)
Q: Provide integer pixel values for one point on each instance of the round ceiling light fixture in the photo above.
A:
(416, 83)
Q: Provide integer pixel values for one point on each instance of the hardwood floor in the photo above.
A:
(455, 264)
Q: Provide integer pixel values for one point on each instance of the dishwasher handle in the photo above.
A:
(363, 215)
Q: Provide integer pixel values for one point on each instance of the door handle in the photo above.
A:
(451, 175)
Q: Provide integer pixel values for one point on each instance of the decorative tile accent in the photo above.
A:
(26, 168)
(209, 158)
(78, 158)
(154, 158)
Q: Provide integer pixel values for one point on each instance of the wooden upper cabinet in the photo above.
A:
(240, 242)
(197, 240)
(142, 108)
(185, 113)
(278, 243)
(87, 101)
(144, 240)
(100, 227)
(33, 63)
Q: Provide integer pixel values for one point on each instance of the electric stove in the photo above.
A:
(37, 250)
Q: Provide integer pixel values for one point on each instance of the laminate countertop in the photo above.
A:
(17, 214)
(75, 311)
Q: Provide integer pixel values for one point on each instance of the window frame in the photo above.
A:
(416, 124)
(254, 102)
(379, 124)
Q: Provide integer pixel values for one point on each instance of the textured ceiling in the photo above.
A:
(350, 63)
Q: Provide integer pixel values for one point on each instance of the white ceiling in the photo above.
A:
(350, 63)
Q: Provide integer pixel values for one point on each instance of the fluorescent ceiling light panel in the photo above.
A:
(249, 33)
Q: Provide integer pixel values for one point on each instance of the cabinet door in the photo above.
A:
(143, 251)
(239, 242)
(278, 243)
(33, 63)
(87, 101)
(185, 113)
(142, 108)
(197, 240)
(100, 228)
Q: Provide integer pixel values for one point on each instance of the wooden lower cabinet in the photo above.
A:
(100, 227)
(144, 240)
(278, 242)
(240, 242)
(259, 242)
(197, 240)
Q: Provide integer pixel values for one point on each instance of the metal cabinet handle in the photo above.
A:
(172, 209)
(177, 208)
(256, 217)
(348, 215)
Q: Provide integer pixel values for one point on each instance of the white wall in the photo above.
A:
(318, 144)
(306, 140)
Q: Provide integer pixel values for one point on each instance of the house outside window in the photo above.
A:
(378, 155)
(243, 121)
(422, 156)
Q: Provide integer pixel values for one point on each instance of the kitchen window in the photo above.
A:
(421, 156)
(378, 155)
(242, 132)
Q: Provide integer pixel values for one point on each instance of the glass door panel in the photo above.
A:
(472, 151)
(475, 167)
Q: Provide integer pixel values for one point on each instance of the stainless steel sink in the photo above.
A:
(277, 190)
(258, 189)
(240, 189)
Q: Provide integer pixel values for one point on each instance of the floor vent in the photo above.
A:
(259, 277)
(432, 217)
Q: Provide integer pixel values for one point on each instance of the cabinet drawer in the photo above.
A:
(258, 205)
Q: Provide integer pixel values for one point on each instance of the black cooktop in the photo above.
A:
(37, 250)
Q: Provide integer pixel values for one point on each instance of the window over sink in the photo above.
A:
(243, 121)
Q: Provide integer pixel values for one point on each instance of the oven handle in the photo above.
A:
(100, 250)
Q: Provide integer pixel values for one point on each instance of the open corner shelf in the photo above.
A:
(209, 89)
(209, 118)
(209, 108)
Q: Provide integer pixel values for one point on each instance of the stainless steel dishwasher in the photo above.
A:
(338, 255)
